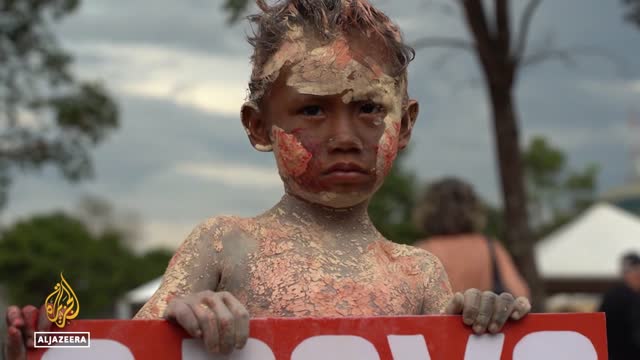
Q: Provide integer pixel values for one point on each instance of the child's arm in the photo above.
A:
(437, 293)
(188, 294)
(187, 271)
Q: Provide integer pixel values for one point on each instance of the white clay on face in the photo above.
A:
(330, 70)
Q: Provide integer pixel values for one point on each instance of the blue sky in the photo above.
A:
(179, 74)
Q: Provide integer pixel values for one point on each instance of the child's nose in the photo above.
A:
(344, 136)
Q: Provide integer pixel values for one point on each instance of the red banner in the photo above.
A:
(540, 336)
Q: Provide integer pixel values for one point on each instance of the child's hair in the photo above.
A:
(326, 20)
(449, 207)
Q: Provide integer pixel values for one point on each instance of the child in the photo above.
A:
(328, 95)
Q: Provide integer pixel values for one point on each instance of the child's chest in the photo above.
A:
(281, 279)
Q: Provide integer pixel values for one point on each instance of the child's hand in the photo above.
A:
(21, 324)
(217, 317)
(484, 310)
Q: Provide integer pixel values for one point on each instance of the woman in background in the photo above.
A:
(454, 219)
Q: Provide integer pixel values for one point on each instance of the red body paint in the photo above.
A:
(292, 156)
(388, 148)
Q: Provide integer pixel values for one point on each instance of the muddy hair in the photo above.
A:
(449, 207)
(326, 20)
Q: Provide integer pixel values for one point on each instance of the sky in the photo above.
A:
(179, 73)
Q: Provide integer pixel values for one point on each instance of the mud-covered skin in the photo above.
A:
(346, 70)
(284, 264)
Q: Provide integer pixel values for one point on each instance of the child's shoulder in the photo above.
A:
(419, 256)
(217, 230)
(216, 225)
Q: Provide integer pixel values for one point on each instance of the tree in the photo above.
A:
(557, 192)
(391, 207)
(543, 166)
(633, 13)
(500, 48)
(235, 8)
(47, 116)
(99, 267)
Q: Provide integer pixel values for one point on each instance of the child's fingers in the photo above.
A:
(43, 322)
(14, 317)
(504, 307)
(241, 317)
(14, 349)
(456, 304)
(521, 308)
(30, 314)
(471, 306)
(208, 325)
(184, 316)
(485, 313)
(225, 322)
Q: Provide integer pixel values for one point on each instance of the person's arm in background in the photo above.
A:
(509, 273)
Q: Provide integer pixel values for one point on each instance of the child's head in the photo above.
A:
(328, 94)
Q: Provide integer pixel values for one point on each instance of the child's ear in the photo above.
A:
(256, 127)
(409, 117)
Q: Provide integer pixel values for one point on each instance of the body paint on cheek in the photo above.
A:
(387, 149)
(292, 157)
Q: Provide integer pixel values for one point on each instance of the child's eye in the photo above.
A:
(311, 110)
(371, 108)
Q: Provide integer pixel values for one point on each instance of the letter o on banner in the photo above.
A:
(193, 349)
(555, 345)
(100, 349)
(335, 347)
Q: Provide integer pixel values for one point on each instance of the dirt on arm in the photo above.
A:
(196, 266)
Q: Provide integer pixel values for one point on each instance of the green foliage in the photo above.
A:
(391, 207)
(543, 164)
(495, 227)
(98, 267)
(633, 10)
(47, 116)
(557, 193)
(235, 9)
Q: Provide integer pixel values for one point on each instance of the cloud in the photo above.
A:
(192, 25)
(163, 234)
(620, 91)
(234, 175)
(212, 83)
(179, 74)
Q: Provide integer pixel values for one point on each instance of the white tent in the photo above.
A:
(135, 298)
(591, 246)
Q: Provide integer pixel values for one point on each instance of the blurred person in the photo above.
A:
(328, 96)
(454, 218)
(621, 304)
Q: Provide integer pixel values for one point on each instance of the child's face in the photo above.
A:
(334, 120)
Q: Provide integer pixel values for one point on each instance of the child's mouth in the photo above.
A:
(346, 173)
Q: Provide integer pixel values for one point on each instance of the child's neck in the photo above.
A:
(348, 220)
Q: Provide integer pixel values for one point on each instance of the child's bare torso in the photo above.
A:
(284, 269)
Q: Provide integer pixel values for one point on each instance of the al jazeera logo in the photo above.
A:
(62, 305)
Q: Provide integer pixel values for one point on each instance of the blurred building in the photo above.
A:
(129, 304)
(581, 260)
